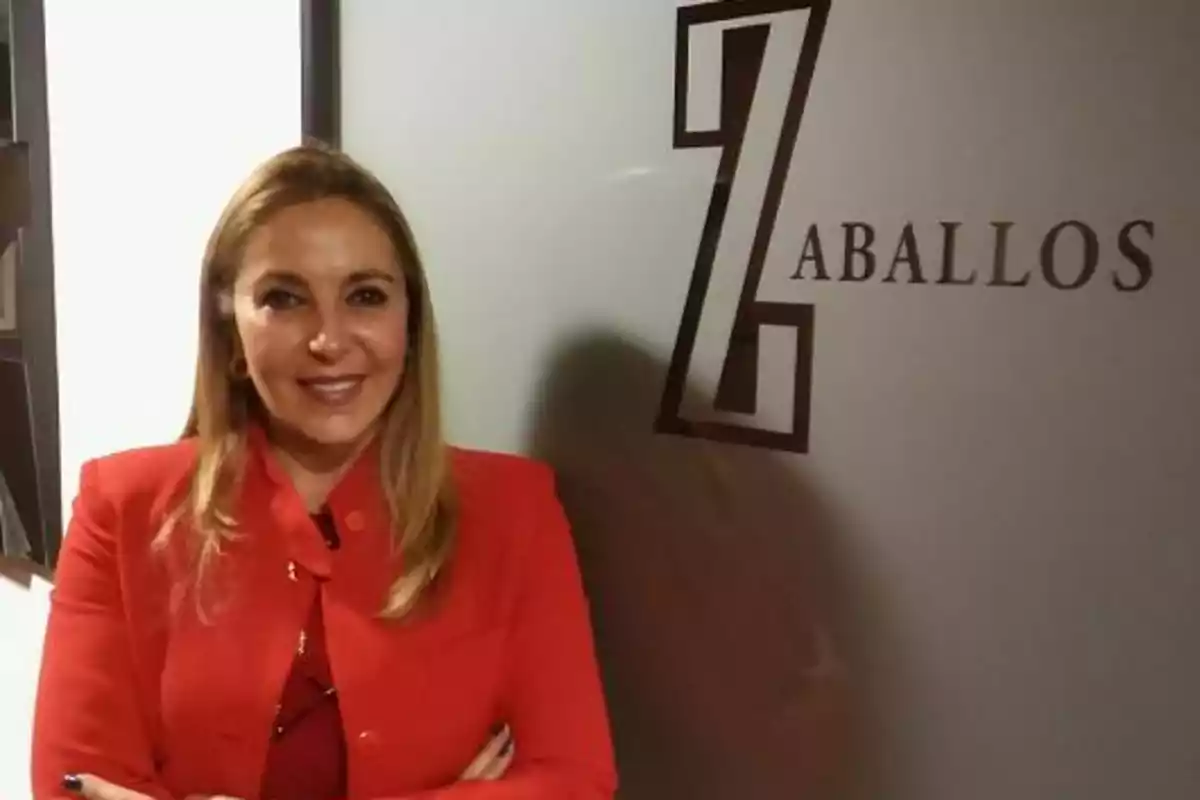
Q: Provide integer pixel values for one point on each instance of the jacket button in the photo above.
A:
(355, 521)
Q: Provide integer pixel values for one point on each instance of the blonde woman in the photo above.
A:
(311, 596)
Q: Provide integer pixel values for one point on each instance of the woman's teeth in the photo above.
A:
(337, 391)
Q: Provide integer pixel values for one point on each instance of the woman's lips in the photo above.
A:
(334, 391)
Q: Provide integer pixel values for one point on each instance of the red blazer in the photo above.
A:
(136, 689)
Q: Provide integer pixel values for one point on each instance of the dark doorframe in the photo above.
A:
(320, 47)
(32, 351)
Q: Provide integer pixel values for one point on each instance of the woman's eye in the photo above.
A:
(368, 296)
(279, 299)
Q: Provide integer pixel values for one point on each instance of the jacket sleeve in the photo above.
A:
(555, 701)
(87, 717)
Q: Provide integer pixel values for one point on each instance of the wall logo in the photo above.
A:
(762, 54)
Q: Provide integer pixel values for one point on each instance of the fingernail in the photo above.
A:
(508, 746)
(72, 783)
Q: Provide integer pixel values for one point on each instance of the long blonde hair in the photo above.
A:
(414, 463)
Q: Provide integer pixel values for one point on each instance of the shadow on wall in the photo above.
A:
(707, 566)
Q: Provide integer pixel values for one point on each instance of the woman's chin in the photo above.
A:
(331, 433)
(339, 435)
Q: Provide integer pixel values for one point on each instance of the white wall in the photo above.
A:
(157, 111)
(1012, 472)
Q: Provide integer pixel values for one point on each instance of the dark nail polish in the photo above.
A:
(72, 783)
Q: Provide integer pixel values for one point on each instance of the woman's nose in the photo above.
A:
(329, 341)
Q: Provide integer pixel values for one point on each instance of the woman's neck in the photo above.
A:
(315, 468)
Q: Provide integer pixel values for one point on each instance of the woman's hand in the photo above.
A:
(492, 762)
(89, 787)
(490, 765)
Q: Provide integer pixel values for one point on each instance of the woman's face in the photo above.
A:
(322, 314)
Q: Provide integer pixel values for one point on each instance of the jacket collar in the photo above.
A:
(361, 473)
(356, 503)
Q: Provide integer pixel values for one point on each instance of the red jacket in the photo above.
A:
(136, 689)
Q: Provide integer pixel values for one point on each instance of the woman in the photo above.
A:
(312, 597)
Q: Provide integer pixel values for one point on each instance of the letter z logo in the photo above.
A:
(763, 64)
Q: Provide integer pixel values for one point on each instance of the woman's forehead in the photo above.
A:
(320, 240)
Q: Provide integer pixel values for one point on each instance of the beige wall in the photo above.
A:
(1000, 483)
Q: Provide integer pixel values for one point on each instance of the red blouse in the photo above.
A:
(307, 757)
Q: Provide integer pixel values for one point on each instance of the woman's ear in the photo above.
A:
(239, 370)
(225, 304)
